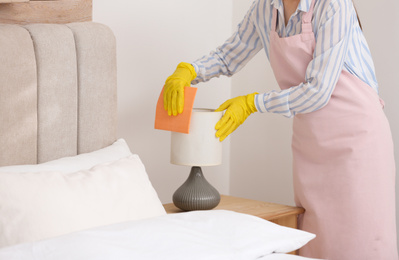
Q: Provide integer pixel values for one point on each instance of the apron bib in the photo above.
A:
(343, 161)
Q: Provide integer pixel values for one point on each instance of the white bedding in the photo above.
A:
(285, 257)
(216, 234)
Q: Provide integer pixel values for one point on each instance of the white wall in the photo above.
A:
(153, 36)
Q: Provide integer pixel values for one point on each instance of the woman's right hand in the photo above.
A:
(173, 94)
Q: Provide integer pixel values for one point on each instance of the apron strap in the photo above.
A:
(274, 19)
(307, 19)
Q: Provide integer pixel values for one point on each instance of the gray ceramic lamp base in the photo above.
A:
(196, 193)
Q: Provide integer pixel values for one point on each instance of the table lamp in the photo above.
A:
(198, 148)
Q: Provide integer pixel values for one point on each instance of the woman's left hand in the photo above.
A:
(237, 111)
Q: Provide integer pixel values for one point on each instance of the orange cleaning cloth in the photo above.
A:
(181, 122)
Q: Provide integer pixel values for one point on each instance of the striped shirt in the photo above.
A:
(340, 45)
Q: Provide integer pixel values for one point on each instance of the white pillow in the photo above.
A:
(38, 205)
(117, 150)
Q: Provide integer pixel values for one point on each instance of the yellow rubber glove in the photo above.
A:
(173, 95)
(237, 110)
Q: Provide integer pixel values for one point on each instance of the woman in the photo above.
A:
(344, 170)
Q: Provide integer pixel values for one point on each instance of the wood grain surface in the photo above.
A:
(266, 210)
(13, 1)
(48, 11)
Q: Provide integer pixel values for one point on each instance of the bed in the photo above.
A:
(70, 189)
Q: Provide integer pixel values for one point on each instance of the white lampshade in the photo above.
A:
(200, 147)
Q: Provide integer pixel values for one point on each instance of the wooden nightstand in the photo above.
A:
(279, 214)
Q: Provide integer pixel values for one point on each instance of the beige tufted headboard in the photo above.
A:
(57, 91)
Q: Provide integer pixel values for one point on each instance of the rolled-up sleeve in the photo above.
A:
(230, 57)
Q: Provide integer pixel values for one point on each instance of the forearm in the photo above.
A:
(233, 55)
(210, 66)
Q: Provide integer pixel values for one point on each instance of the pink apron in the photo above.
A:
(344, 169)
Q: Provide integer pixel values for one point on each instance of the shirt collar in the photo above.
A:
(304, 5)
